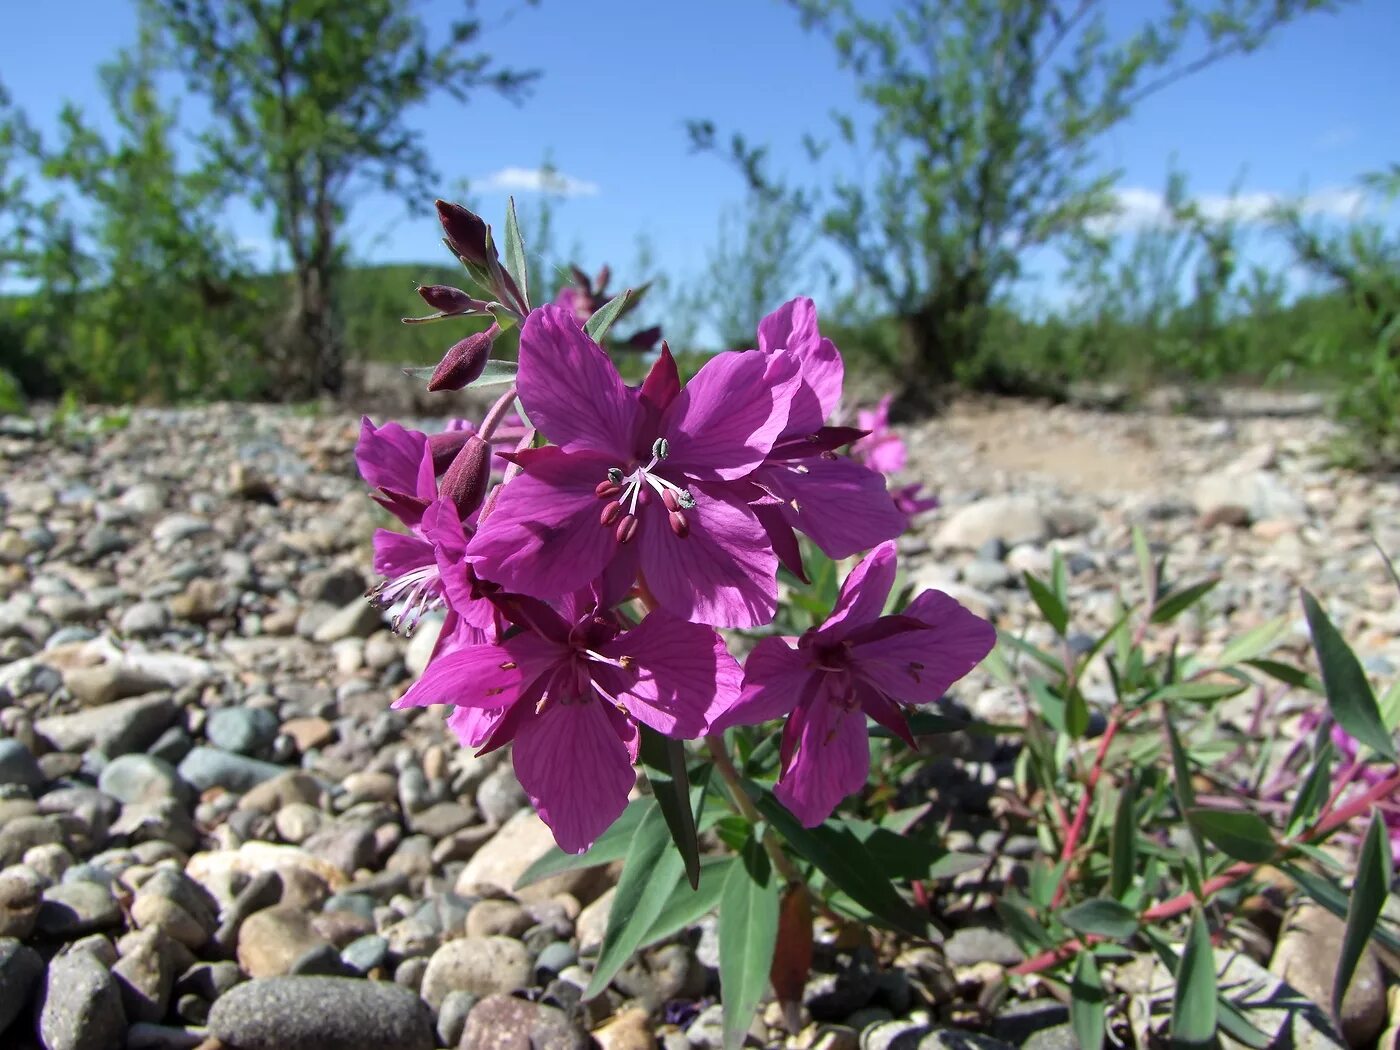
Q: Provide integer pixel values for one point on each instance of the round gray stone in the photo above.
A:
(20, 970)
(321, 1013)
(242, 730)
(81, 1006)
(19, 767)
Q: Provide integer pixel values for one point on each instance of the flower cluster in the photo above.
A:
(586, 555)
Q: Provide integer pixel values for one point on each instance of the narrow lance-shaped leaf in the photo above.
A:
(748, 931)
(1252, 644)
(685, 906)
(1054, 611)
(1194, 1005)
(1314, 790)
(1102, 916)
(1349, 695)
(1373, 875)
(1237, 832)
(1123, 842)
(672, 789)
(597, 326)
(1087, 1005)
(1173, 605)
(649, 873)
(515, 255)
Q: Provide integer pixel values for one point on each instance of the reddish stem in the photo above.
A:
(496, 414)
(1081, 815)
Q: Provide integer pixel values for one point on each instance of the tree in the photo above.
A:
(984, 115)
(309, 99)
(140, 293)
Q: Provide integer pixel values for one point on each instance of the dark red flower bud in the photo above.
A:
(445, 447)
(462, 364)
(466, 479)
(465, 232)
(445, 298)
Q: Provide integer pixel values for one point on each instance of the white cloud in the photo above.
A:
(535, 180)
(1139, 208)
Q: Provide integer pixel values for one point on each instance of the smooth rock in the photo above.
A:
(501, 1022)
(74, 909)
(1010, 519)
(206, 767)
(81, 1006)
(975, 944)
(96, 686)
(520, 842)
(21, 967)
(140, 778)
(179, 907)
(19, 767)
(271, 940)
(356, 619)
(1307, 956)
(321, 1013)
(480, 965)
(241, 730)
(146, 976)
(116, 728)
(21, 893)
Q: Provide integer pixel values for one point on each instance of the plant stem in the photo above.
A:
(496, 414)
(725, 765)
(1081, 815)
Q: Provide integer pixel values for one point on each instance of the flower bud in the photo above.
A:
(446, 299)
(445, 447)
(466, 479)
(465, 232)
(463, 363)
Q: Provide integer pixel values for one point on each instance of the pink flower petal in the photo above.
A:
(570, 387)
(724, 422)
(917, 666)
(863, 594)
(397, 553)
(575, 769)
(472, 725)
(389, 457)
(724, 573)
(472, 675)
(832, 761)
(793, 327)
(841, 505)
(684, 674)
(775, 678)
(543, 538)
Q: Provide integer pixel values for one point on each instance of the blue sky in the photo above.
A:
(1309, 112)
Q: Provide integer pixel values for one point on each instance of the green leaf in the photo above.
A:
(1181, 770)
(1237, 832)
(1194, 1007)
(685, 905)
(673, 794)
(748, 933)
(1373, 875)
(1314, 790)
(1335, 899)
(1069, 716)
(1349, 695)
(1123, 841)
(649, 872)
(1240, 1028)
(1102, 916)
(1252, 644)
(1146, 566)
(898, 854)
(496, 373)
(515, 254)
(1202, 692)
(1287, 674)
(1087, 1007)
(611, 845)
(1054, 611)
(1178, 601)
(602, 320)
(1021, 924)
(839, 855)
(1033, 651)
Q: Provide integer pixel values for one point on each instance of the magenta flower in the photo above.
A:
(570, 689)
(646, 481)
(843, 506)
(856, 664)
(881, 449)
(398, 464)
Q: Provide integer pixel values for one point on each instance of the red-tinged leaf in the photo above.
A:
(792, 959)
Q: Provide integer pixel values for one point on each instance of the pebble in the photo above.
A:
(242, 730)
(80, 1005)
(321, 1013)
(479, 965)
(500, 1021)
(21, 968)
(74, 909)
(207, 767)
(140, 778)
(117, 728)
(19, 768)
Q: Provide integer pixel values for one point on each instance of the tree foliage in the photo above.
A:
(309, 100)
(984, 117)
